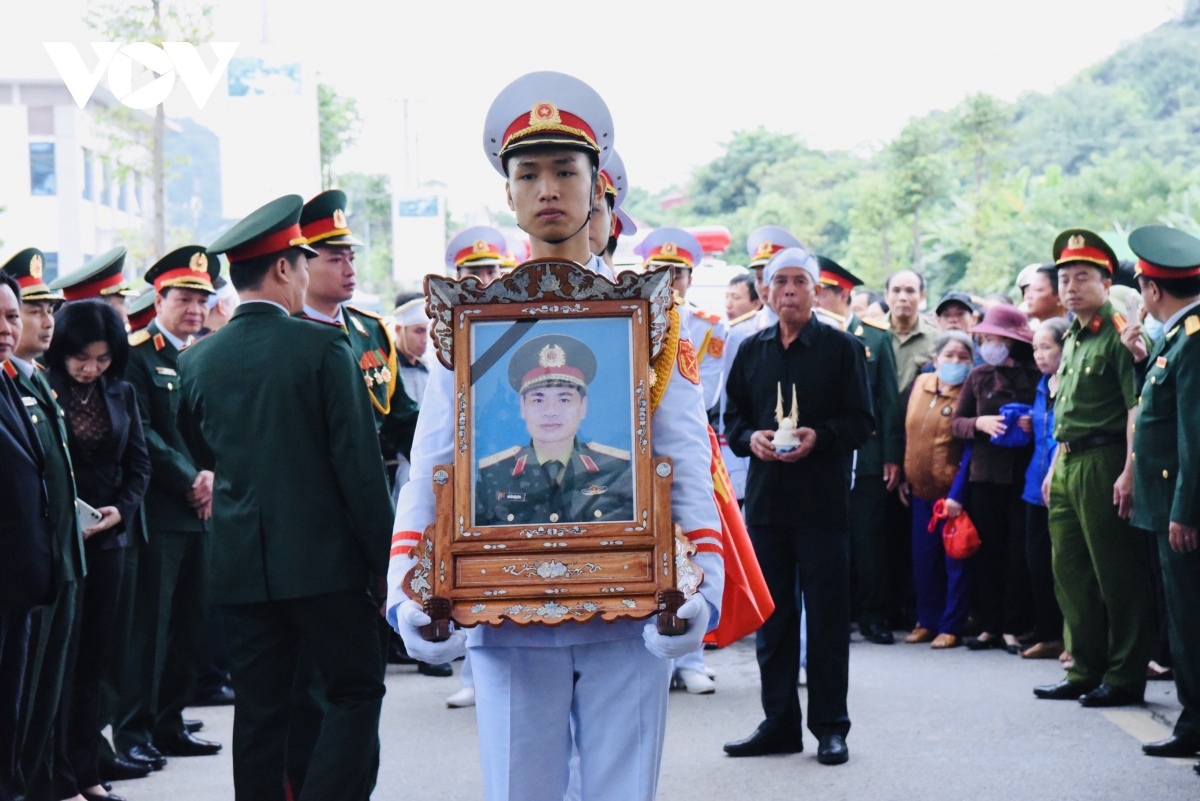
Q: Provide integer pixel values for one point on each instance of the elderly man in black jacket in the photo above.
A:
(797, 501)
(26, 570)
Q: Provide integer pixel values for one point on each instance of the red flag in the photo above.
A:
(746, 602)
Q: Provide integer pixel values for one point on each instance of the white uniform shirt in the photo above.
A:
(707, 333)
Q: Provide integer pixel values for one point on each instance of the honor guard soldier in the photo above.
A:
(140, 310)
(169, 625)
(300, 519)
(1101, 567)
(679, 250)
(103, 277)
(605, 684)
(477, 252)
(1166, 457)
(608, 221)
(555, 478)
(877, 463)
(53, 626)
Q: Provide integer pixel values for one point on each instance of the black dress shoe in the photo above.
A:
(1172, 747)
(184, 744)
(977, 644)
(122, 770)
(93, 797)
(1196, 767)
(146, 754)
(1065, 690)
(216, 696)
(192, 726)
(766, 741)
(440, 671)
(1106, 695)
(881, 636)
(832, 750)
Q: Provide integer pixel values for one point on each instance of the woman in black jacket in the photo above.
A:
(87, 358)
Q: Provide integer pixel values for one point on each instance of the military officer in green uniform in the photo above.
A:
(301, 520)
(102, 277)
(53, 627)
(1166, 456)
(555, 478)
(169, 625)
(1101, 569)
(877, 464)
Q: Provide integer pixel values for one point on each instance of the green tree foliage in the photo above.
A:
(338, 122)
(369, 198)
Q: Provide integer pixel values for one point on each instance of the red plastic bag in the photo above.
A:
(959, 535)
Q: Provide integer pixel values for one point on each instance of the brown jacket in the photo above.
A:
(931, 452)
(984, 392)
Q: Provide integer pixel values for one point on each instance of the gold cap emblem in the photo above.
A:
(480, 246)
(339, 218)
(35, 266)
(669, 249)
(198, 263)
(544, 114)
(552, 356)
(764, 249)
(1076, 242)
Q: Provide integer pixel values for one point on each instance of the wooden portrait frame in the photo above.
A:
(549, 573)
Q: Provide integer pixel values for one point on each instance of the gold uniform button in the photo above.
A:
(170, 385)
(1152, 380)
(599, 513)
(1087, 370)
(33, 417)
(1133, 457)
(1166, 474)
(553, 517)
(511, 518)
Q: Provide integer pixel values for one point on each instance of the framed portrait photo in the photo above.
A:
(554, 508)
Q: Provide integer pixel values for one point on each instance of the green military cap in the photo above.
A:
(1165, 252)
(188, 267)
(1081, 245)
(552, 360)
(141, 310)
(27, 267)
(101, 276)
(268, 229)
(323, 220)
(835, 275)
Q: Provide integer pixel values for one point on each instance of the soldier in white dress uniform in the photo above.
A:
(549, 134)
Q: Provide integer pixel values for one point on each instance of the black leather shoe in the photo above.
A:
(832, 750)
(881, 636)
(977, 644)
(440, 671)
(1196, 767)
(184, 744)
(1172, 747)
(397, 655)
(217, 696)
(107, 797)
(146, 754)
(122, 770)
(192, 726)
(766, 741)
(1065, 690)
(1104, 695)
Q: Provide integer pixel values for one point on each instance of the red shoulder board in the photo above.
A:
(707, 317)
(716, 347)
(519, 467)
(689, 365)
(159, 342)
(1119, 322)
(1095, 324)
(9, 369)
(588, 463)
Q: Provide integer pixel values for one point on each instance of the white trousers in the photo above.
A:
(525, 699)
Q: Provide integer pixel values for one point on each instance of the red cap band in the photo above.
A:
(673, 253)
(27, 281)
(94, 289)
(546, 118)
(1154, 271)
(324, 229)
(833, 279)
(472, 253)
(272, 243)
(1093, 255)
(181, 276)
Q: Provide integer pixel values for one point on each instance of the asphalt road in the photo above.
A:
(926, 725)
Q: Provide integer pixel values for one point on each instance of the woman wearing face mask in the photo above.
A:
(933, 467)
(1047, 617)
(997, 473)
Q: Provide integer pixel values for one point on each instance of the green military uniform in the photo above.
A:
(868, 496)
(168, 629)
(596, 483)
(300, 523)
(1101, 572)
(913, 351)
(1166, 460)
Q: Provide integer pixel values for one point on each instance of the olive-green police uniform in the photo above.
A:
(1101, 573)
(868, 496)
(592, 482)
(1166, 461)
(168, 628)
(52, 626)
(301, 519)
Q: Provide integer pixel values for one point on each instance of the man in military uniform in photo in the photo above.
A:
(877, 464)
(54, 627)
(300, 517)
(1166, 456)
(102, 277)
(555, 478)
(1101, 565)
(169, 626)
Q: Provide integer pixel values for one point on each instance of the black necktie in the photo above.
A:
(552, 468)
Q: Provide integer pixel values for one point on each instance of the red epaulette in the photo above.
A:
(707, 317)
(304, 316)
(9, 369)
(1119, 322)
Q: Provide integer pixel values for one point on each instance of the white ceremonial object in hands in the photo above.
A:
(786, 440)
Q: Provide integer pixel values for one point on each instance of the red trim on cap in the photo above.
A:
(1154, 271)
(677, 255)
(272, 243)
(616, 225)
(323, 229)
(538, 373)
(470, 254)
(93, 289)
(568, 124)
(176, 276)
(833, 279)
(139, 320)
(28, 282)
(1094, 255)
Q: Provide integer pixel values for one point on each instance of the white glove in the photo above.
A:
(408, 619)
(694, 609)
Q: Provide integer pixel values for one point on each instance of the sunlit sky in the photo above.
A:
(679, 77)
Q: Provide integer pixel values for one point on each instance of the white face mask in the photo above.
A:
(993, 353)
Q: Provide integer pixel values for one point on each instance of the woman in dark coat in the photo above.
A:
(86, 360)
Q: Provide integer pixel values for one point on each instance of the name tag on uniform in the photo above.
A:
(165, 371)
(29, 401)
(510, 496)
(1161, 361)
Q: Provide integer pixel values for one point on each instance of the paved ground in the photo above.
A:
(927, 725)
